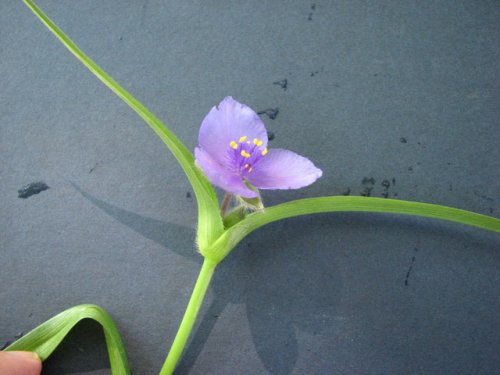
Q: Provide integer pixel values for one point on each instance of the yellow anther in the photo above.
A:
(233, 144)
(245, 154)
(250, 170)
(264, 152)
(257, 142)
(243, 139)
(247, 165)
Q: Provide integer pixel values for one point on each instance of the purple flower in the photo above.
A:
(233, 150)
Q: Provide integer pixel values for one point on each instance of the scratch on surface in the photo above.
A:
(410, 268)
(272, 113)
(32, 189)
(282, 83)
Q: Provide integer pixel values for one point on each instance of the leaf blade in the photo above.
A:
(210, 224)
(45, 338)
(307, 206)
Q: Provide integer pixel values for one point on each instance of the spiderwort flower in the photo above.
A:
(233, 151)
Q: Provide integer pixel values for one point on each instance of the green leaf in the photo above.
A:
(232, 236)
(46, 337)
(209, 221)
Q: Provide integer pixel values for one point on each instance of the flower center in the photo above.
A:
(246, 153)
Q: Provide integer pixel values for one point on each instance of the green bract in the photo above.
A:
(216, 235)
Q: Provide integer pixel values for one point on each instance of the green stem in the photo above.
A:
(200, 288)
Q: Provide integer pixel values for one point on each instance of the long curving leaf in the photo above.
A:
(45, 338)
(237, 232)
(209, 221)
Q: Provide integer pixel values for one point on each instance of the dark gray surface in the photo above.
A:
(338, 293)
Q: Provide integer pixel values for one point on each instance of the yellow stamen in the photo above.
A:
(233, 144)
(264, 152)
(245, 154)
(250, 170)
(257, 142)
(243, 139)
(247, 165)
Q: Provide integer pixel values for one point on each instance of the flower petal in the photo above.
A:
(220, 176)
(283, 169)
(226, 123)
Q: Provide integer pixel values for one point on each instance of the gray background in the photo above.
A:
(333, 293)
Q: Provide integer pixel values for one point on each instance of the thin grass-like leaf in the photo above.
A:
(209, 221)
(45, 338)
(255, 220)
